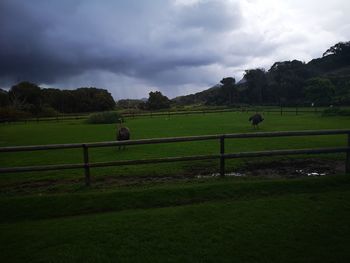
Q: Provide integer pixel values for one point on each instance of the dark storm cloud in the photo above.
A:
(131, 46)
(47, 41)
(25, 51)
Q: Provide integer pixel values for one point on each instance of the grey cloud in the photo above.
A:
(133, 46)
(47, 43)
(210, 16)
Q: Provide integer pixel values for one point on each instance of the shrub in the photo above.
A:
(336, 112)
(47, 112)
(104, 117)
(12, 114)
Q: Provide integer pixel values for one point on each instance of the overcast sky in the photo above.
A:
(132, 47)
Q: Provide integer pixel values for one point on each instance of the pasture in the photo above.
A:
(164, 212)
(300, 220)
(77, 131)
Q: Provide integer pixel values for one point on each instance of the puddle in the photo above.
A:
(232, 174)
(316, 174)
(310, 173)
(293, 168)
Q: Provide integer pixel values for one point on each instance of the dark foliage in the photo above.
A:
(26, 96)
(319, 91)
(11, 114)
(106, 117)
(130, 104)
(157, 101)
(323, 81)
(4, 98)
(29, 97)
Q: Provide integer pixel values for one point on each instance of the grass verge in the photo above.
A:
(302, 220)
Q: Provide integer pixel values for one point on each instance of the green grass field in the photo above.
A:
(301, 220)
(218, 123)
(53, 217)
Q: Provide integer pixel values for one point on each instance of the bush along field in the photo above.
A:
(179, 211)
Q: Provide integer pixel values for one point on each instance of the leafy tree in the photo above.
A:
(342, 93)
(341, 48)
(335, 57)
(4, 98)
(229, 93)
(93, 99)
(53, 98)
(80, 100)
(129, 103)
(26, 96)
(319, 91)
(284, 83)
(257, 85)
(31, 98)
(287, 80)
(104, 101)
(157, 101)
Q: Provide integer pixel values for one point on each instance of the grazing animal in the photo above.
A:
(256, 119)
(123, 133)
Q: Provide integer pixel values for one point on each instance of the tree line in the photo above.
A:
(156, 101)
(30, 99)
(322, 81)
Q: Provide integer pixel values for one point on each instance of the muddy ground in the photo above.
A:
(293, 168)
(290, 168)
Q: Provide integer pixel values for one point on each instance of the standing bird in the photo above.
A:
(255, 120)
(123, 133)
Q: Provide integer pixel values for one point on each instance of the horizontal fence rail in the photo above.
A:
(222, 156)
(173, 139)
(281, 111)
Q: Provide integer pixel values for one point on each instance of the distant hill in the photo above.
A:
(286, 82)
(199, 97)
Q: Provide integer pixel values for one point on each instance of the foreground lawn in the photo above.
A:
(302, 220)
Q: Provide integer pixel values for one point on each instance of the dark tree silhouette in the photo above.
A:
(157, 101)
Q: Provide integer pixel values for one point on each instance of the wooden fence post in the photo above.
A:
(86, 165)
(222, 158)
(347, 164)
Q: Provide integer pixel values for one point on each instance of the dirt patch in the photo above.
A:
(289, 168)
(293, 168)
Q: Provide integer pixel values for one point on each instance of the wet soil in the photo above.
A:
(289, 168)
(293, 168)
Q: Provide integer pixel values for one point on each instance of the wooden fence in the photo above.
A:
(151, 114)
(222, 156)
